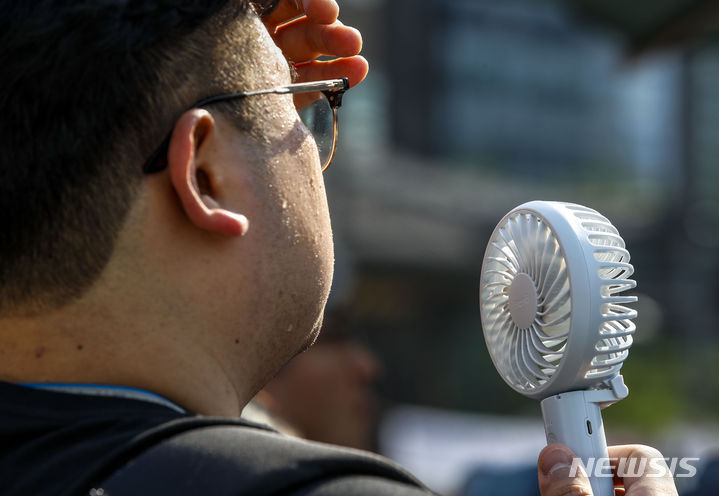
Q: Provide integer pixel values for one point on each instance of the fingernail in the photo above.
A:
(554, 460)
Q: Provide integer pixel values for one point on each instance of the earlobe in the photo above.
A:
(193, 131)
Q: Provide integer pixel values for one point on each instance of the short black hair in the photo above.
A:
(87, 89)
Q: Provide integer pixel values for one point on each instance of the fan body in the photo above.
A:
(555, 320)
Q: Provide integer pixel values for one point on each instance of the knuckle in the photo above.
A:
(575, 489)
(565, 486)
(642, 451)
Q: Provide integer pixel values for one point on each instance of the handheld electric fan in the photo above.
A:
(555, 321)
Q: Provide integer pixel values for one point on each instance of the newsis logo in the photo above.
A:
(635, 467)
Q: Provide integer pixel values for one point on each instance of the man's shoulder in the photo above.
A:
(244, 459)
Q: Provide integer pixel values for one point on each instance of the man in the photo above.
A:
(163, 255)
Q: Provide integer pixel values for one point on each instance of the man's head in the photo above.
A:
(227, 251)
(87, 90)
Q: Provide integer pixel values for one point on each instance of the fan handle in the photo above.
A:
(575, 420)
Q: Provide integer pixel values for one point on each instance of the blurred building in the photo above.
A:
(475, 106)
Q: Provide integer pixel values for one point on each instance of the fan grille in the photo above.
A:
(614, 270)
(527, 351)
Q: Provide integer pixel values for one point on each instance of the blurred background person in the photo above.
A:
(327, 393)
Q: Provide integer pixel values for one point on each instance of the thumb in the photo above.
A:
(557, 476)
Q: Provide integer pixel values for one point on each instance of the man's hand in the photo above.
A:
(554, 466)
(307, 29)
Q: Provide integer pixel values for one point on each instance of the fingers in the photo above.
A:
(656, 478)
(307, 29)
(653, 477)
(321, 11)
(318, 11)
(555, 463)
(302, 40)
(353, 68)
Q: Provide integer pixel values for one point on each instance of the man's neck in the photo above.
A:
(82, 344)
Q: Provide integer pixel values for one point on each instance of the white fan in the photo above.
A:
(554, 320)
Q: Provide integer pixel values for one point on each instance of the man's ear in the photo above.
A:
(192, 174)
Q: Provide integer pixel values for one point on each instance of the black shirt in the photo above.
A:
(61, 444)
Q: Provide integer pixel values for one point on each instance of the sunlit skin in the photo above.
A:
(319, 32)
